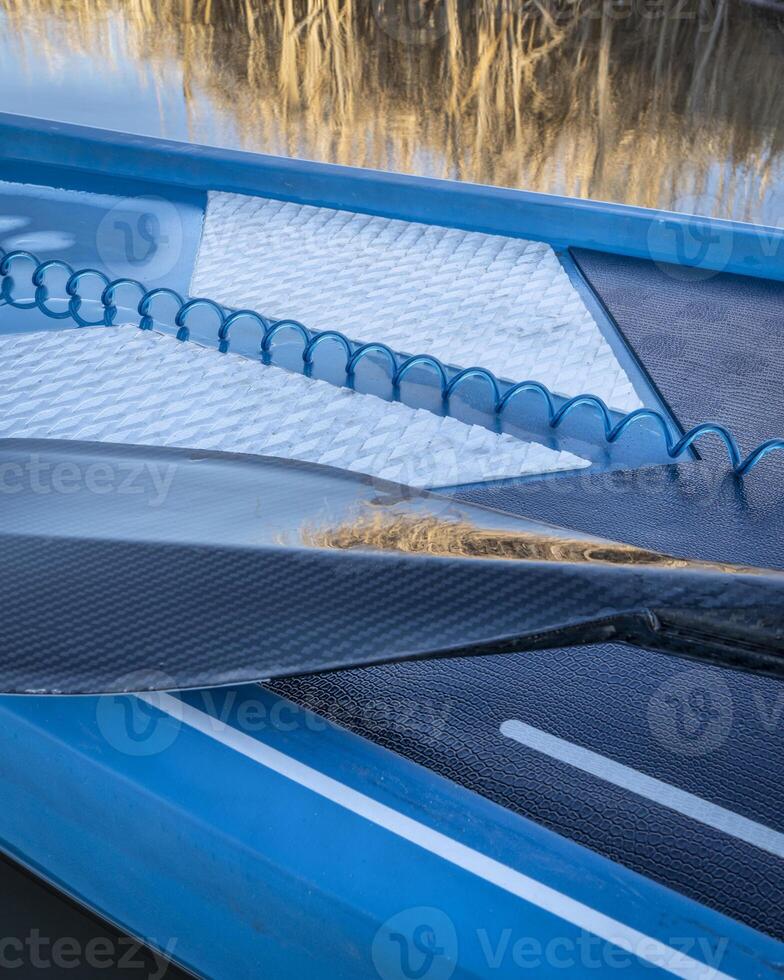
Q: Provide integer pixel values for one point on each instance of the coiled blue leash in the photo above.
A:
(399, 366)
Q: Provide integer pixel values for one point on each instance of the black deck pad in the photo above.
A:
(712, 344)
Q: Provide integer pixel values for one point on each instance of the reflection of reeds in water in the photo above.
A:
(426, 535)
(661, 111)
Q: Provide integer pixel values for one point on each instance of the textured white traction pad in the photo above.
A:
(123, 384)
(470, 299)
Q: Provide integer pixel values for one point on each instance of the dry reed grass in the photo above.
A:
(555, 96)
(427, 535)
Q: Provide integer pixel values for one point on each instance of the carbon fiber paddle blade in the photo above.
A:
(131, 569)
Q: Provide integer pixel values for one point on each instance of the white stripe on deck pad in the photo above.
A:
(665, 794)
(470, 299)
(126, 385)
(557, 903)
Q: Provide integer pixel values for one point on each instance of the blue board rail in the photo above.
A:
(663, 236)
(235, 866)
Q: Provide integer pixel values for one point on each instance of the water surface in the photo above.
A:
(675, 103)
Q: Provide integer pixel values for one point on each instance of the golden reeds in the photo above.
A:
(418, 534)
(663, 111)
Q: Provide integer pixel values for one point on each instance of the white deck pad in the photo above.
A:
(127, 385)
(470, 299)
